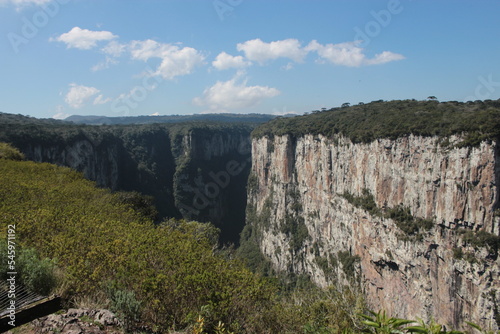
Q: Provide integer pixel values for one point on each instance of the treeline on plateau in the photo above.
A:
(478, 121)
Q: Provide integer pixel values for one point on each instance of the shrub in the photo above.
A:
(35, 274)
(348, 261)
(10, 153)
(482, 239)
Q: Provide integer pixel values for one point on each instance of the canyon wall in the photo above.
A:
(336, 211)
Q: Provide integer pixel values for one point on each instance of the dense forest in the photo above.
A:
(478, 120)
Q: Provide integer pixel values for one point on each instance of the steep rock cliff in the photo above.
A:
(211, 175)
(322, 207)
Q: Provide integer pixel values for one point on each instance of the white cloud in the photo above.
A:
(78, 95)
(175, 61)
(23, 3)
(144, 50)
(101, 100)
(259, 51)
(384, 57)
(230, 95)
(350, 54)
(60, 114)
(224, 61)
(287, 67)
(114, 49)
(83, 39)
(105, 64)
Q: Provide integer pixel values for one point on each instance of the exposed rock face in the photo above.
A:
(304, 223)
(211, 177)
(79, 321)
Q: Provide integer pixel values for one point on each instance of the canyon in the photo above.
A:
(195, 171)
(398, 201)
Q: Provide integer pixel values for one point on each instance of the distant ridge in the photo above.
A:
(229, 118)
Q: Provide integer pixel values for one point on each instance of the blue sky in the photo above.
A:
(131, 57)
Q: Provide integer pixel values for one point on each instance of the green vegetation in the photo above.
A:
(366, 202)
(481, 239)
(95, 237)
(479, 120)
(169, 275)
(410, 225)
(348, 263)
(296, 229)
(36, 274)
(413, 227)
(10, 153)
(381, 323)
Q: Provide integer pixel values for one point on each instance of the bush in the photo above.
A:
(410, 225)
(35, 274)
(348, 261)
(366, 202)
(125, 305)
(482, 239)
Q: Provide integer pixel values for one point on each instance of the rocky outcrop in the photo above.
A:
(79, 321)
(322, 206)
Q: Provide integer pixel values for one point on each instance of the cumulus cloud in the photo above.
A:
(114, 49)
(259, 51)
(350, 54)
(78, 95)
(83, 39)
(175, 61)
(232, 94)
(224, 61)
